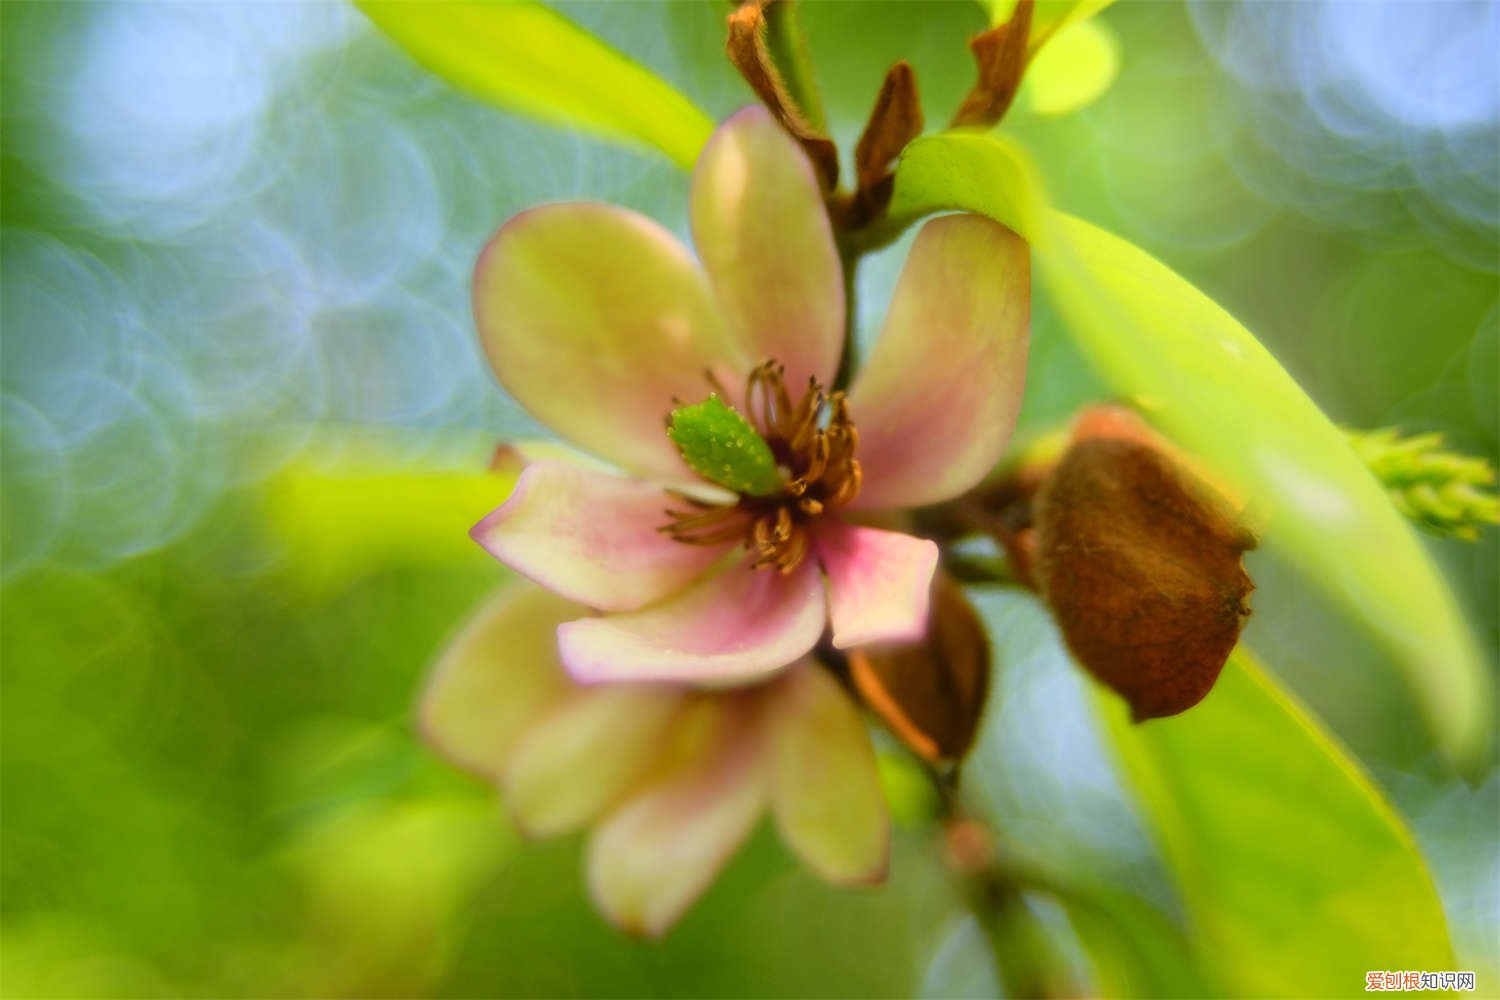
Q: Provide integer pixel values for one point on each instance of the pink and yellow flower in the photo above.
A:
(662, 679)
(596, 320)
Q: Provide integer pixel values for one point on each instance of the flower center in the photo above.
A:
(813, 441)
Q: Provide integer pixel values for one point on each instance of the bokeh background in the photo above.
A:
(243, 409)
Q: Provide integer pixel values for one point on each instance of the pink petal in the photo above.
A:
(825, 791)
(734, 626)
(594, 318)
(879, 583)
(591, 537)
(653, 857)
(937, 401)
(493, 679)
(578, 759)
(763, 235)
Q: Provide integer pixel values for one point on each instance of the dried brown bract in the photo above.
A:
(931, 693)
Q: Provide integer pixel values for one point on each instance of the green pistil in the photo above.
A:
(720, 445)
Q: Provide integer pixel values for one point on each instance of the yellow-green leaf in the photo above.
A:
(1296, 875)
(1208, 383)
(1049, 18)
(1073, 71)
(339, 516)
(525, 57)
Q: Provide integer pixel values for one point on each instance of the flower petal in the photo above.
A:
(937, 401)
(594, 318)
(731, 627)
(825, 791)
(578, 759)
(655, 855)
(591, 537)
(879, 583)
(763, 235)
(494, 677)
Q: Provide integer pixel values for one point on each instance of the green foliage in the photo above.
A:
(523, 56)
(1297, 876)
(344, 515)
(211, 779)
(1443, 491)
(1205, 380)
(720, 445)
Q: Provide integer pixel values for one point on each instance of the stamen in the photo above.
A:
(761, 533)
(849, 488)
(819, 461)
(783, 401)
(728, 533)
(792, 552)
(804, 422)
(783, 529)
(713, 380)
(687, 521)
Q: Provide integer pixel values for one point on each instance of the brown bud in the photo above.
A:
(1140, 562)
(895, 121)
(930, 693)
(1001, 55)
(969, 846)
(748, 51)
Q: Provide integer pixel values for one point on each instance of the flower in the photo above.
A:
(660, 681)
(601, 324)
(677, 777)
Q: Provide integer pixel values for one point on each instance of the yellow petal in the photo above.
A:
(495, 677)
(825, 788)
(656, 854)
(577, 759)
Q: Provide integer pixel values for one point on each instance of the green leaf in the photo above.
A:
(522, 56)
(1133, 948)
(722, 447)
(1208, 383)
(1297, 876)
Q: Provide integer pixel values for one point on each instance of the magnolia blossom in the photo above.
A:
(661, 679)
(600, 324)
(679, 776)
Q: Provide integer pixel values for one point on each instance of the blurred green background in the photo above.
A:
(242, 406)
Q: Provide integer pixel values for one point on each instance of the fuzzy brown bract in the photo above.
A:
(1141, 564)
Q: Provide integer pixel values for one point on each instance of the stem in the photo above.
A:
(788, 48)
(967, 568)
(1019, 945)
(1027, 964)
(849, 257)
